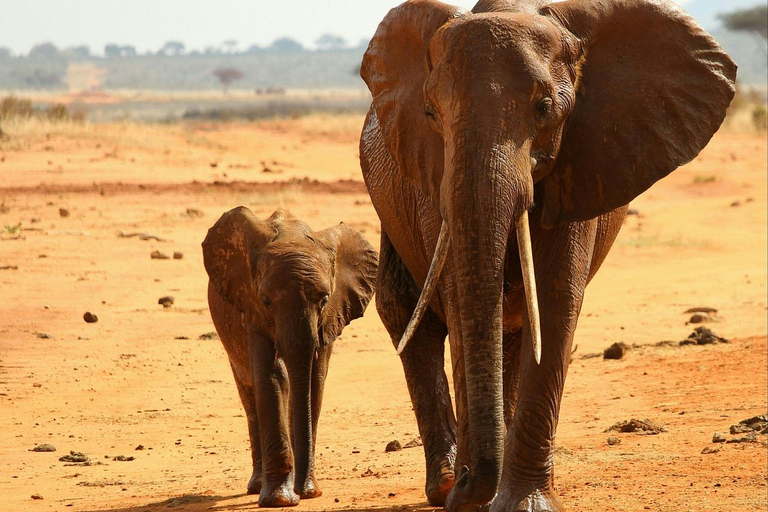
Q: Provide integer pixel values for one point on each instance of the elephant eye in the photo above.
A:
(429, 111)
(265, 300)
(324, 301)
(542, 109)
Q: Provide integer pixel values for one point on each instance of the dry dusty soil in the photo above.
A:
(146, 375)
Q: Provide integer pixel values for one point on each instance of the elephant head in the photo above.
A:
(582, 104)
(296, 287)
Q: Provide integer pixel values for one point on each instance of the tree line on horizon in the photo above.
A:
(48, 50)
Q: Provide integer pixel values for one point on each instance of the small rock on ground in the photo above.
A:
(157, 255)
(123, 458)
(709, 449)
(749, 438)
(45, 447)
(75, 457)
(717, 437)
(178, 255)
(613, 440)
(166, 301)
(37, 496)
(703, 336)
(634, 425)
(208, 336)
(393, 446)
(90, 318)
(413, 443)
(616, 351)
(63, 212)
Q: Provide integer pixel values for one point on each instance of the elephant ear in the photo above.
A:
(395, 68)
(654, 88)
(355, 267)
(228, 253)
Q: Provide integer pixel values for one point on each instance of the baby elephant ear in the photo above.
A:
(228, 252)
(356, 264)
(654, 88)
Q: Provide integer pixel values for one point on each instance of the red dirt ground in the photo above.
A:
(105, 388)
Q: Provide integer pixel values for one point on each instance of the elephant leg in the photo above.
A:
(248, 398)
(270, 380)
(424, 366)
(527, 481)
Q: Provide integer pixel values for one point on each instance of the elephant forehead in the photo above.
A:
(494, 39)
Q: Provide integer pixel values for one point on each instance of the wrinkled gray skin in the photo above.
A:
(566, 110)
(279, 295)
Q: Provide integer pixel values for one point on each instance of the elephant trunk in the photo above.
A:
(485, 194)
(299, 362)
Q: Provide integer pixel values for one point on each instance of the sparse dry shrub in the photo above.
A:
(760, 117)
(12, 107)
(57, 113)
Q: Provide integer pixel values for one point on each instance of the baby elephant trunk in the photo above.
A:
(299, 359)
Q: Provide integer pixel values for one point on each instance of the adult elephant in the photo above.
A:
(548, 118)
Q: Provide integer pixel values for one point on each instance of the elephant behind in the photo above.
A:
(279, 295)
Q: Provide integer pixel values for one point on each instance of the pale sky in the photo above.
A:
(147, 24)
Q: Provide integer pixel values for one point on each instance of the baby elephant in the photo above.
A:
(279, 295)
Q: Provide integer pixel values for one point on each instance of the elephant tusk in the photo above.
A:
(430, 284)
(529, 281)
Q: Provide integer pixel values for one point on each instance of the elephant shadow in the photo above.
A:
(216, 503)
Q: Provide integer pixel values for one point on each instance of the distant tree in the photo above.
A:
(116, 51)
(230, 46)
(254, 49)
(44, 51)
(174, 48)
(5, 53)
(753, 21)
(328, 42)
(80, 52)
(42, 79)
(227, 75)
(286, 45)
(211, 50)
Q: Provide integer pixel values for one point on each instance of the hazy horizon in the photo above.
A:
(148, 24)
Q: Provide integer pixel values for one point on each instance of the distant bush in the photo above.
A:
(760, 117)
(15, 108)
(285, 109)
(12, 107)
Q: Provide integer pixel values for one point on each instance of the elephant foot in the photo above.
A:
(279, 494)
(439, 485)
(537, 500)
(309, 490)
(254, 484)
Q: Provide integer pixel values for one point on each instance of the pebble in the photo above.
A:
(178, 255)
(166, 301)
(616, 351)
(45, 447)
(63, 212)
(90, 318)
(613, 440)
(718, 438)
(157, 255)
(393, 446)
(37, 496)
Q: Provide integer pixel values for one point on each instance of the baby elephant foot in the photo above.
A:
(309, 490)
(439, 484)
(535, 501)
(254, 484)
(279, 494)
